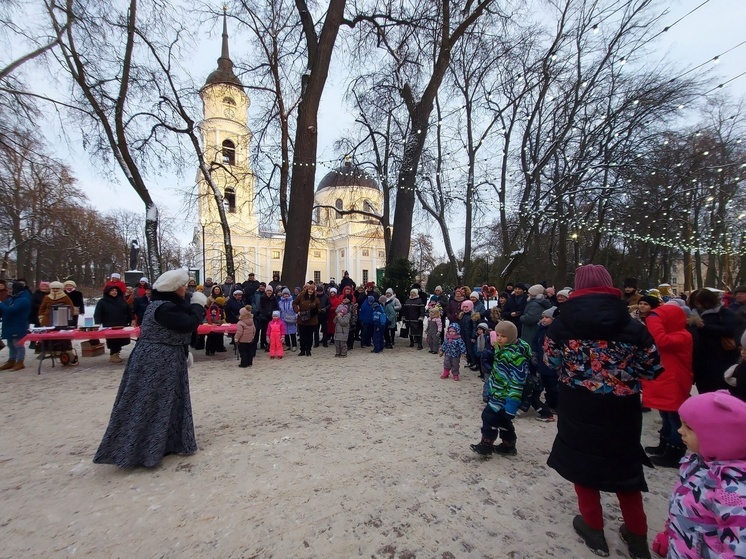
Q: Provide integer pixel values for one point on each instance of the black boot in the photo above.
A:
(419, 342)
(594, 539)
(657, 450)
(484, 447)
(670, 457)
(411, 341)
(636, 545)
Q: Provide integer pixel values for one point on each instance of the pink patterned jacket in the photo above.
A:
(707, 513)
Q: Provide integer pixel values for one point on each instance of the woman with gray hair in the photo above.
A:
(152, 415)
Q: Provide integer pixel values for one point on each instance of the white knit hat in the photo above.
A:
(535, 290)
(171, 281)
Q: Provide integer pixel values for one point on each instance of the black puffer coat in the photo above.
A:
(600, 354)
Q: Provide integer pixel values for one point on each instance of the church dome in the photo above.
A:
(347, 176)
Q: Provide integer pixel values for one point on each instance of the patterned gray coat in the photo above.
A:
(152, 414)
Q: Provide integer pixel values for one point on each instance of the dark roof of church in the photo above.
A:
(348, 175)
(224, 73)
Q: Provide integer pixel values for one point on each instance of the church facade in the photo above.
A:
(341, 238)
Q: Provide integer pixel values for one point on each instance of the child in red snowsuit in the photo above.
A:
(275, 335)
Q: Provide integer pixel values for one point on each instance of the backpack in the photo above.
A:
(380, 318)
(214, 314)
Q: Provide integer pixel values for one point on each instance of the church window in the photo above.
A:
(275, 255)
(317, 277)
(365, 276)
(340, 206)
(381, 254)
(366, 252)
(229, 101)
(276, 273)
(317, 254)
(342, 253)
(369, 207)
(229, 152)
(317, 215)
(230, 199)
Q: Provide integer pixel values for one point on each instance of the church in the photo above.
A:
(339, 240)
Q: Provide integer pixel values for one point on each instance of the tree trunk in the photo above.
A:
(300, 206)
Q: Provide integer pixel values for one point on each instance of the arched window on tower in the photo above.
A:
(229, 101)
(229, 152)
(230, 199)
(340, 206)
(317, 215)
(369, 207)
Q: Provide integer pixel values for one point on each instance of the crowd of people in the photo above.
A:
(591, 358)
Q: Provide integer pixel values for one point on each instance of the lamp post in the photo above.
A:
(204, 262)
(574, 238)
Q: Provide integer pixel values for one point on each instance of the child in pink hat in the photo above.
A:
(707, 512)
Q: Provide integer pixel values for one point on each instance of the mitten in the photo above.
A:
(660, 544)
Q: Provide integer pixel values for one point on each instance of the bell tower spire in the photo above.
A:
(224, 73)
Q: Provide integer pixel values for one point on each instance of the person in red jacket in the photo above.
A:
(667, 325)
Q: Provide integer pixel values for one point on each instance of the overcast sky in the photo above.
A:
(712, 29)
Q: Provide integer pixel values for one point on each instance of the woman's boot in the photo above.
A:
(9, 365)
(657, 450)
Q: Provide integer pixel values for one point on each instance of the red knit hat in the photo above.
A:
(592, 275)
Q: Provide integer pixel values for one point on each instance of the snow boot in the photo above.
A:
(446, 373)
(594, 539)
(636, 545)
(18, 366)
(670, 457)
(9, 365)
(657, 450)
(484, 447)
(114, 358)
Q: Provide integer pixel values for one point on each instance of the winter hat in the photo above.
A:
(220, 301)
(467, 306)
(17, 287)
(483, 326)
(371, 299)
(245, 312)
(370, 285)
(382, 300)
(43, 284)
(238, 292)
(118, 276)
(144, 279)
(654, 293)
(453, 332)
(679, 303)
(654, 302)
(56, 285)
(331, 290)
(389, 291)
(507, 329)
(71, 283)
(437, 287)
(415, 292)
(630, 282)
(275, 314)
(717, 418)
(171, 281)
(269, 289)
(549, 313)
(474, 295)
(550, 291)
(592, 275)
(536, 290)
(564, 292)
(342, 309)
(740, 289)
(286, 291)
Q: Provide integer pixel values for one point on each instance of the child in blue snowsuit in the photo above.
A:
(452, 349)
(380, 323)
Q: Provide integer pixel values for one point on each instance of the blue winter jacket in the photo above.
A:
(365, 313)
(15, 311)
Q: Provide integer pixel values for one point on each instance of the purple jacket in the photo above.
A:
(707, 513)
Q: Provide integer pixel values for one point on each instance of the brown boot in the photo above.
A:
(115, 358)
(9, 365)
(18, 366)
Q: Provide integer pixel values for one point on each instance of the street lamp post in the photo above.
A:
(204, 262)
(574, 237)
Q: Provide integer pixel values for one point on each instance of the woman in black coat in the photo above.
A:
(715, 344)
(413, 314)
(113, 310)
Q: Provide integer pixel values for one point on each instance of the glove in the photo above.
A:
(660, 544)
